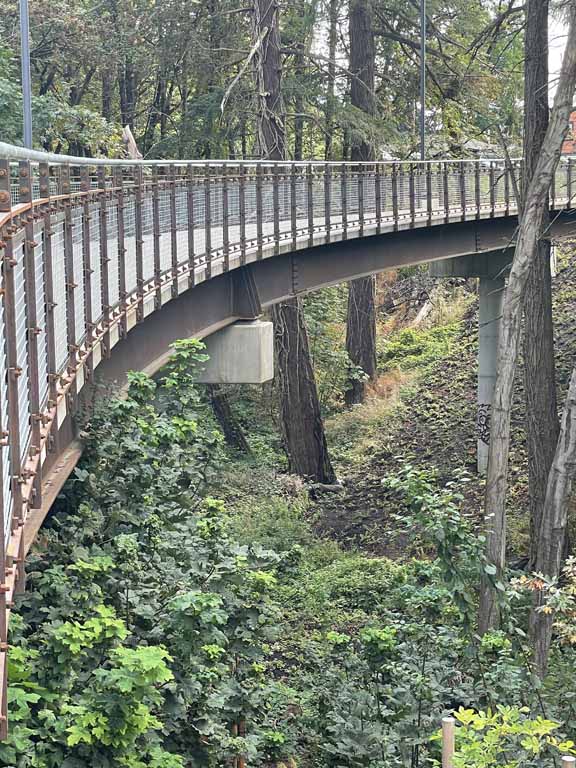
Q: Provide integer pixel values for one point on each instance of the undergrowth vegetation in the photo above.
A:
(190, 606)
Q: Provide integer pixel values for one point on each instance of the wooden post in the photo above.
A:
(448, 732)
(568, 761)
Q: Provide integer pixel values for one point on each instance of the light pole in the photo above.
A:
(26, 79)
(422, 79)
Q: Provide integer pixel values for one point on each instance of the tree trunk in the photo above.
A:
(331, 90)
(361, 319)
(554, 521)
(529, 233)
(302, 426)
(539, 369)
(231, 429)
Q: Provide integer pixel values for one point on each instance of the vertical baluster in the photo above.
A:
(225, 220)
(310, 203)
(429, 192)
(361, 198)
(395, 212)
(378, 197)
(32, 331)
(173, 180)
(477, 189)
(446, 178)
(259, 211)
(507, 187)
(344, 183)
(553, 192)
(14, 372)
(50, 305)
(293, 205)
(276, 208)
(5, 196)
(86, 255)
(104, 260)
(156, 237)
(64, 190)
(569, 183)
(139, 241)
(242, 212)
(191, 224)
(462, 174)
(118, 176)
(327, 201)
(412, 193)
(208, 220)
(492, 189)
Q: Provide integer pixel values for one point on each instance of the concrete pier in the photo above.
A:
(242, 353)
(491, 268)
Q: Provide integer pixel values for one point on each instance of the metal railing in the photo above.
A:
(90, 247)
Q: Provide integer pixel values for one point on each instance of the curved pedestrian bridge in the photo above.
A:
(105, 263)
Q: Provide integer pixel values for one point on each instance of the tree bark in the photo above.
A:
(331, 90)
(529, 233)
(539, 369)
(554, 521)
(302, 426)
(231, 429)
(361, 319)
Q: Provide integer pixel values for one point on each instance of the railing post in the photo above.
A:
(412, 194)
(361, 198)
(492, 189)
(156, 237)
(327, 201)
(242, 212)
(139, 241)
(173, 230)
(446, 180)
(569, 183)
(64, 189)
(50, 306)
(118, 176)
(225, 222)
(344, 183)
(293, 205)
(104, 260)
(462, 171)
(191, 224)
(310, 203)
(276, 208)
(208, 221)
(395, 212)
(259, 212)
(378, 197)
(507, 187)
(14, 372)
(32, 331)
(448, 741)
(429, 192)
(86, 250)
(5, 192)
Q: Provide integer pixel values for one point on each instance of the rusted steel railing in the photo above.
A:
(89, 248)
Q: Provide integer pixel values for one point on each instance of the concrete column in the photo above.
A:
(490, 292)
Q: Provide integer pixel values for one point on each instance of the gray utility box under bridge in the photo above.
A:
(242, 353)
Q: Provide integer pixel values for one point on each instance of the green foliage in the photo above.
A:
(506, 737)
(416, 347)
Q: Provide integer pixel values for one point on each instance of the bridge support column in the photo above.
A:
(491, 268)
(242, 353)
(490, 295)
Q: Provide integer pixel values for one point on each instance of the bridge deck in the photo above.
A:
(91, 248)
